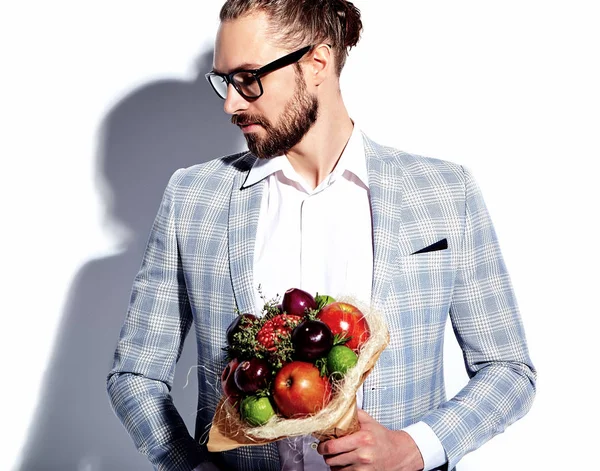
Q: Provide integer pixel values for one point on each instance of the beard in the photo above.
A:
(300, 114)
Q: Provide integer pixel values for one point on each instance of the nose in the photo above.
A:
(234, 103)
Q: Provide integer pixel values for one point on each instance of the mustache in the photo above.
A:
(244, 119)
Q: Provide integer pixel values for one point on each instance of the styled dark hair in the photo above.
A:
(298, 23)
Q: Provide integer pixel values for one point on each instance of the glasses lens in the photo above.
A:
(248, 84)
(219, 84)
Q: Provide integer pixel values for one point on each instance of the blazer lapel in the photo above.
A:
(385, 186)
(244, 210)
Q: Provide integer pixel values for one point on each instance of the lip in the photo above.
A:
(250, 127)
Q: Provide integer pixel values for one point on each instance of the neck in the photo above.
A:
(317, 154)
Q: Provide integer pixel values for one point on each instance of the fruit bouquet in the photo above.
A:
(295, 370)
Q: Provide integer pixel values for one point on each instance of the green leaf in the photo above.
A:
(340, 339)
(323, 300)
(321, 364)
(311, 314)
(265, 392)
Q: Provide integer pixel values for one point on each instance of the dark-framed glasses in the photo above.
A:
(247, 82)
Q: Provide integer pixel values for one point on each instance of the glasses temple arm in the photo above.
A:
(283, 61)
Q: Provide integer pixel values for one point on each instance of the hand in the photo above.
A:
(372, 448)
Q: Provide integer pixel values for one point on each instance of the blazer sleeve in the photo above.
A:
(488, 326)
(157, 322)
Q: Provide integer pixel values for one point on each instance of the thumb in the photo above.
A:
(363, 417)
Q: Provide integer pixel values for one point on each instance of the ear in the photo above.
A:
(321, 65)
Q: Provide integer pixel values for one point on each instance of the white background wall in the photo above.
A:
(101, 101)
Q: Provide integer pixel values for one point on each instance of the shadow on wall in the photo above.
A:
(152, 132)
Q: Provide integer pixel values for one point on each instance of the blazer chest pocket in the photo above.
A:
(418, 304)
(427, 276)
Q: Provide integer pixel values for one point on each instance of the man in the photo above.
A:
(423, 248)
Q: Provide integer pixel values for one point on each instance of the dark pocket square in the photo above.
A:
(439, 245)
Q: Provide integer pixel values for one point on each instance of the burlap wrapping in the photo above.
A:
(339, 418)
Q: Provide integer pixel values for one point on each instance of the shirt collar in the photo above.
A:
(353, 159)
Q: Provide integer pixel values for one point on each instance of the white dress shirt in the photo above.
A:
(320, 240)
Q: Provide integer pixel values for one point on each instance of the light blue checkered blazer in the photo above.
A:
(198, 268)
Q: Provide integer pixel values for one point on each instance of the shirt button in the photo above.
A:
(313, 445)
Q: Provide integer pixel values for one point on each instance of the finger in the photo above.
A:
(363, 417)
(342, 460)
(335, 446)
(357, 459)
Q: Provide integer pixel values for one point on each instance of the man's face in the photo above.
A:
(278, 120)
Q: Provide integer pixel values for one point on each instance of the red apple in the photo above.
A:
(299, 390)
(230, 390)
(346, 319)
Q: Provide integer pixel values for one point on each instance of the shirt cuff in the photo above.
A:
(429, 445)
